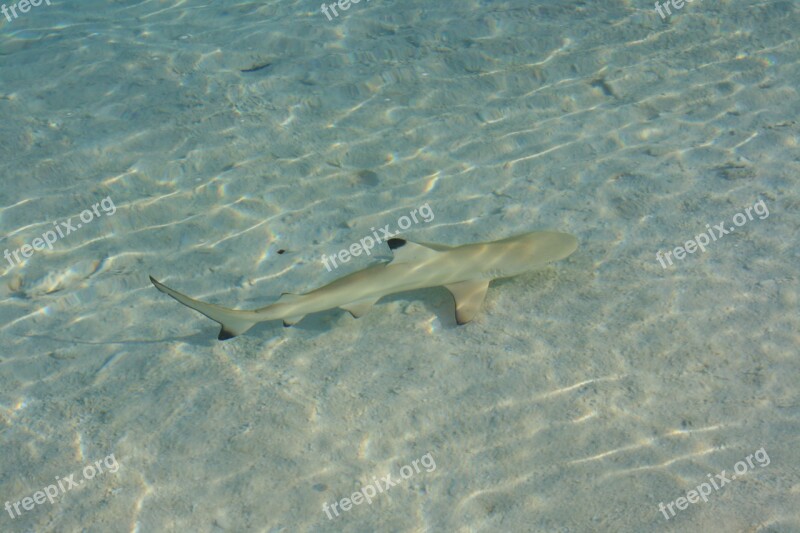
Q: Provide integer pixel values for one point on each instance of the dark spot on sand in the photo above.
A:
(368, 177)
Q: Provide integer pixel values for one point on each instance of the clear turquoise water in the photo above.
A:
(239, 142)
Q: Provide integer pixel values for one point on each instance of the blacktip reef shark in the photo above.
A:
(464, 270)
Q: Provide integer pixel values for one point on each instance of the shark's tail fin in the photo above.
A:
(233, 322)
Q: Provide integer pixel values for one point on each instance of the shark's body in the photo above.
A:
(464, 270)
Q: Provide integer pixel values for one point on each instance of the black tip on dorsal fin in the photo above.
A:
(395, 243)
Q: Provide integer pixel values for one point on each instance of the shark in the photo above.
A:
(464, 270)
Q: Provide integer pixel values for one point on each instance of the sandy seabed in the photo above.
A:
(239, 142)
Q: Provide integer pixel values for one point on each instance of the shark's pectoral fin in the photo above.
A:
(469, 296)
(360, 307)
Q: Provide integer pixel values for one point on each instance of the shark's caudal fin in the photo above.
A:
(233, 322)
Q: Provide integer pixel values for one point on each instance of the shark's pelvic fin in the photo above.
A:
(287, 297)
(233, 322)
(469, 296)
(292, 320)
(359, 308)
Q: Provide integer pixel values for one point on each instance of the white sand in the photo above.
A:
(581, 396)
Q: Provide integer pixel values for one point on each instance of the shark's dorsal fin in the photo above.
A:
(408, 252)
(360, 307)
(469, 296)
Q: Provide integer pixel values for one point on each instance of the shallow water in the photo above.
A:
(225, 147)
